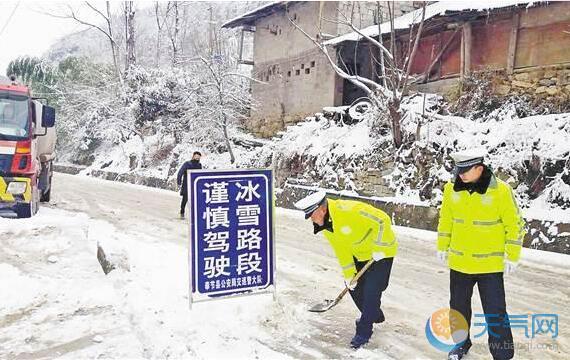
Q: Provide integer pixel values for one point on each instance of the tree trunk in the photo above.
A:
(130, 35)
(174, 36)
(382, 66)
(113, 43)
(158, 32)
(227, 139)
(396, 119)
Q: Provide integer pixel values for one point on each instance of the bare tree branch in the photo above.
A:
(245, 76)
(71, 14)
(96, 10)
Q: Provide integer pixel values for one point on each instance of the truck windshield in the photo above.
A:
(13, 117)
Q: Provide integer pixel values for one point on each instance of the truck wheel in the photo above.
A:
(46, 195)
(26, 210)
(30, 209)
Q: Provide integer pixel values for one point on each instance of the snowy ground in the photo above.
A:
(56, 302)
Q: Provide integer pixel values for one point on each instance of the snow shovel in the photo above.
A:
(328, 304)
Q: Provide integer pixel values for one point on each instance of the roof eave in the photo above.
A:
(250, 18)
(353, 37)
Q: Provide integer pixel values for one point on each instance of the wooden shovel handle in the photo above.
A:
(361, 272)
(354, 280)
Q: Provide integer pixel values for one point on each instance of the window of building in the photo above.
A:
(307, 70)
(302, 66)
(274, 29)
(297, 72)
(312, 64)
(289, 73)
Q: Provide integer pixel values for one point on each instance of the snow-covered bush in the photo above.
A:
(90, 107)
(153, 119)
(157, 94)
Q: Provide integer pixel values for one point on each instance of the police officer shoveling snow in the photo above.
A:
(364, 243)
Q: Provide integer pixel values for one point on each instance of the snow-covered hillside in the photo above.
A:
(194, 30)
(530, 153)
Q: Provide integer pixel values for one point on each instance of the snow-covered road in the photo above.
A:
(56, 302)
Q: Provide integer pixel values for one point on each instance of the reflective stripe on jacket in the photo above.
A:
(480, 230)
(359, 229)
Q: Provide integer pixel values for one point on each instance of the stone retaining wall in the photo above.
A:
(542, 235)
(548, 81)
(371, 182)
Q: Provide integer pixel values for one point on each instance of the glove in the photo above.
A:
(442, 257)
(510, 267)
(377, 256)
(349, 284)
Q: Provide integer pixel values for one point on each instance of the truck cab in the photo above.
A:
(27, 150)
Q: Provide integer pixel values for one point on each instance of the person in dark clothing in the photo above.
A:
(367, 294)
(182, 178)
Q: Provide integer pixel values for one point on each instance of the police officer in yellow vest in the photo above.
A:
(357, 232)
(480, 235)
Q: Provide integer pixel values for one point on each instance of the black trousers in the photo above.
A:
(368, 293)
(184, 201)
(492, 291)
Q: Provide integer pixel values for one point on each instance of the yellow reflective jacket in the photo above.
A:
(480, 230)
(359, 229)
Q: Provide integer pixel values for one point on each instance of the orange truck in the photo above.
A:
(27, 150)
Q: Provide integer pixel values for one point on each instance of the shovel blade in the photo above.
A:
(324, 306)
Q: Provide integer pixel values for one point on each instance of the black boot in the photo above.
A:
(363, 334)
(459, 352)
(358, 341)
(381, 318)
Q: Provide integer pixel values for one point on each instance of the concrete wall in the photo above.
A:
(426, 217)
(298, 79)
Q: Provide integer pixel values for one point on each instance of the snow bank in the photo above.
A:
(136, 314)
(18, 290)
(324, 138)
(508, 140)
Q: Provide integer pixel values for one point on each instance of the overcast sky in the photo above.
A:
(30, 32)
